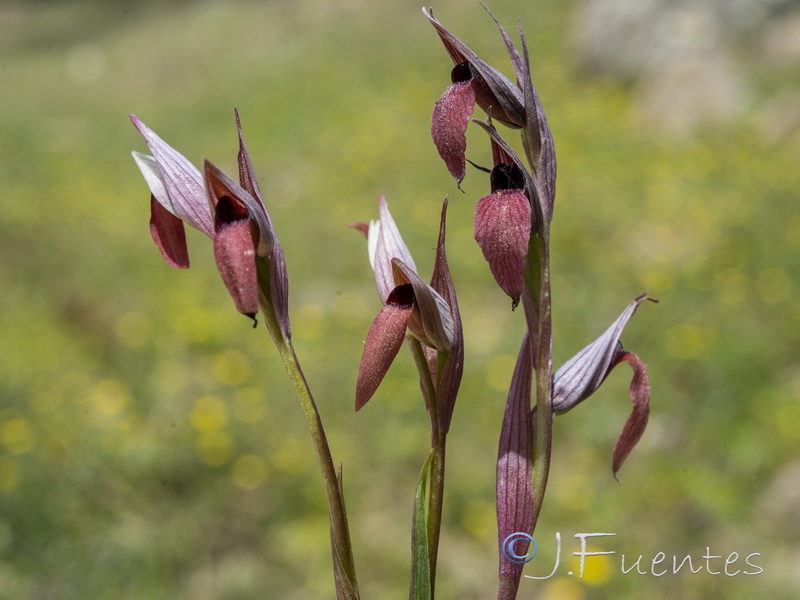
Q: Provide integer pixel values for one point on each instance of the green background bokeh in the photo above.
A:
(150, 444)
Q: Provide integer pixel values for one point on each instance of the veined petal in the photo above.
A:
(503, 230)
(432, 321)
(373, 229)
(449, 124)
(185, 195)
(514, 468)
(493, 90)
(276, 290)
(580, 376)
(540, 138)
(389, 245)
(383, 342)
(247, 179)
(169, 235)
(453, 369)
(152, 175)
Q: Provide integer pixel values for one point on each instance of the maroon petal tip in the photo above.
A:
(169, 234)
(361, 227)
(637, 421)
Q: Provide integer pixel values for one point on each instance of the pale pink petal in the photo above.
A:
(182, 182)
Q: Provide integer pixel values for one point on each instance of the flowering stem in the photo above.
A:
(537, 280)
(436, 494)
(543, 419)
(344, 564)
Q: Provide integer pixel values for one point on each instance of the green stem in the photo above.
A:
(436, 494)
(435, 503)
(543, 419)
(340, 532)
(538, 282)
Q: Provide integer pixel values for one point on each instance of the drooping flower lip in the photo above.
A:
(449, 121)
(235, 235)
(503, 224)
(502, 230)
(383, 342)
(583, 374)
(492, 88)
(411, 306)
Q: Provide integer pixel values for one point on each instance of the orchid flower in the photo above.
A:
(251, 263)
(409, 306)
(428, 317)
(503, 225)
(232, 214)
(582, 375)
(515, 105)
(474, 81)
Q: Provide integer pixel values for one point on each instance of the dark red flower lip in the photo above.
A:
(582, 375)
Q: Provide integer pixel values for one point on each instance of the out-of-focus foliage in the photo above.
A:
(150, 446)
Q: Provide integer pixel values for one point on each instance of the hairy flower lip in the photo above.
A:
(502, 229)
(449, 122)
(232, 215)
(410, 307)
(494, 89)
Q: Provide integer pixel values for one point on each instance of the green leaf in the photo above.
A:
(420, 553)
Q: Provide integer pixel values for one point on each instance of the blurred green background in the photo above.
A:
(150, 444)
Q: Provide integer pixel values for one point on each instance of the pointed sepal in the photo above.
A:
(453, 369)
(515, 501)
(385, 243)
(275, 285)
(583, 374)
(174, 181)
